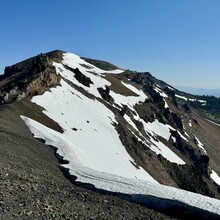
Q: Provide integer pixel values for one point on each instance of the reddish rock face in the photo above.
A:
(31, 77)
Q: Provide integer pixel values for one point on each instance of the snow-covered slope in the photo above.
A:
(88, 126)
(95, 140)
(138, 189)
(97, 152)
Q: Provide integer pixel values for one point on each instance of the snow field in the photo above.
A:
(96, 76)
(88, 126)
(137, 188)
(74, 61)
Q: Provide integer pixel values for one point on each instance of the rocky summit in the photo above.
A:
(82, 138)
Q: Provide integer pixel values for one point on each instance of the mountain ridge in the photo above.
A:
(137, 117)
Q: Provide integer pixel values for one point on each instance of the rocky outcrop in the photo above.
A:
(31, 77)
(171, 94)
(80, 77)
(105, 93)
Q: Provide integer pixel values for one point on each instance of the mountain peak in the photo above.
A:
(118, 129)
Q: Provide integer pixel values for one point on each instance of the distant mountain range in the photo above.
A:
(114, 131)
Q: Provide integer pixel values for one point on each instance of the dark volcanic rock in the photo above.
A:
(105, 93)
(80, 77)
(86, 81)
(30, 77)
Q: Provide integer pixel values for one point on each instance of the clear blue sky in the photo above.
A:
(178, 41)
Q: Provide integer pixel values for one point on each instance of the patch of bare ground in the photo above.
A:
(32, 110)
(118, 87)
(86, 66)
(101, 64)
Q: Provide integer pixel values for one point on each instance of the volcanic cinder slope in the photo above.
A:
(114, 131)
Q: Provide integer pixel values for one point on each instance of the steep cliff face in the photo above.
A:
(28, 78)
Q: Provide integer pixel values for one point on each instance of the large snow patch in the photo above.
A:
(138, 189)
